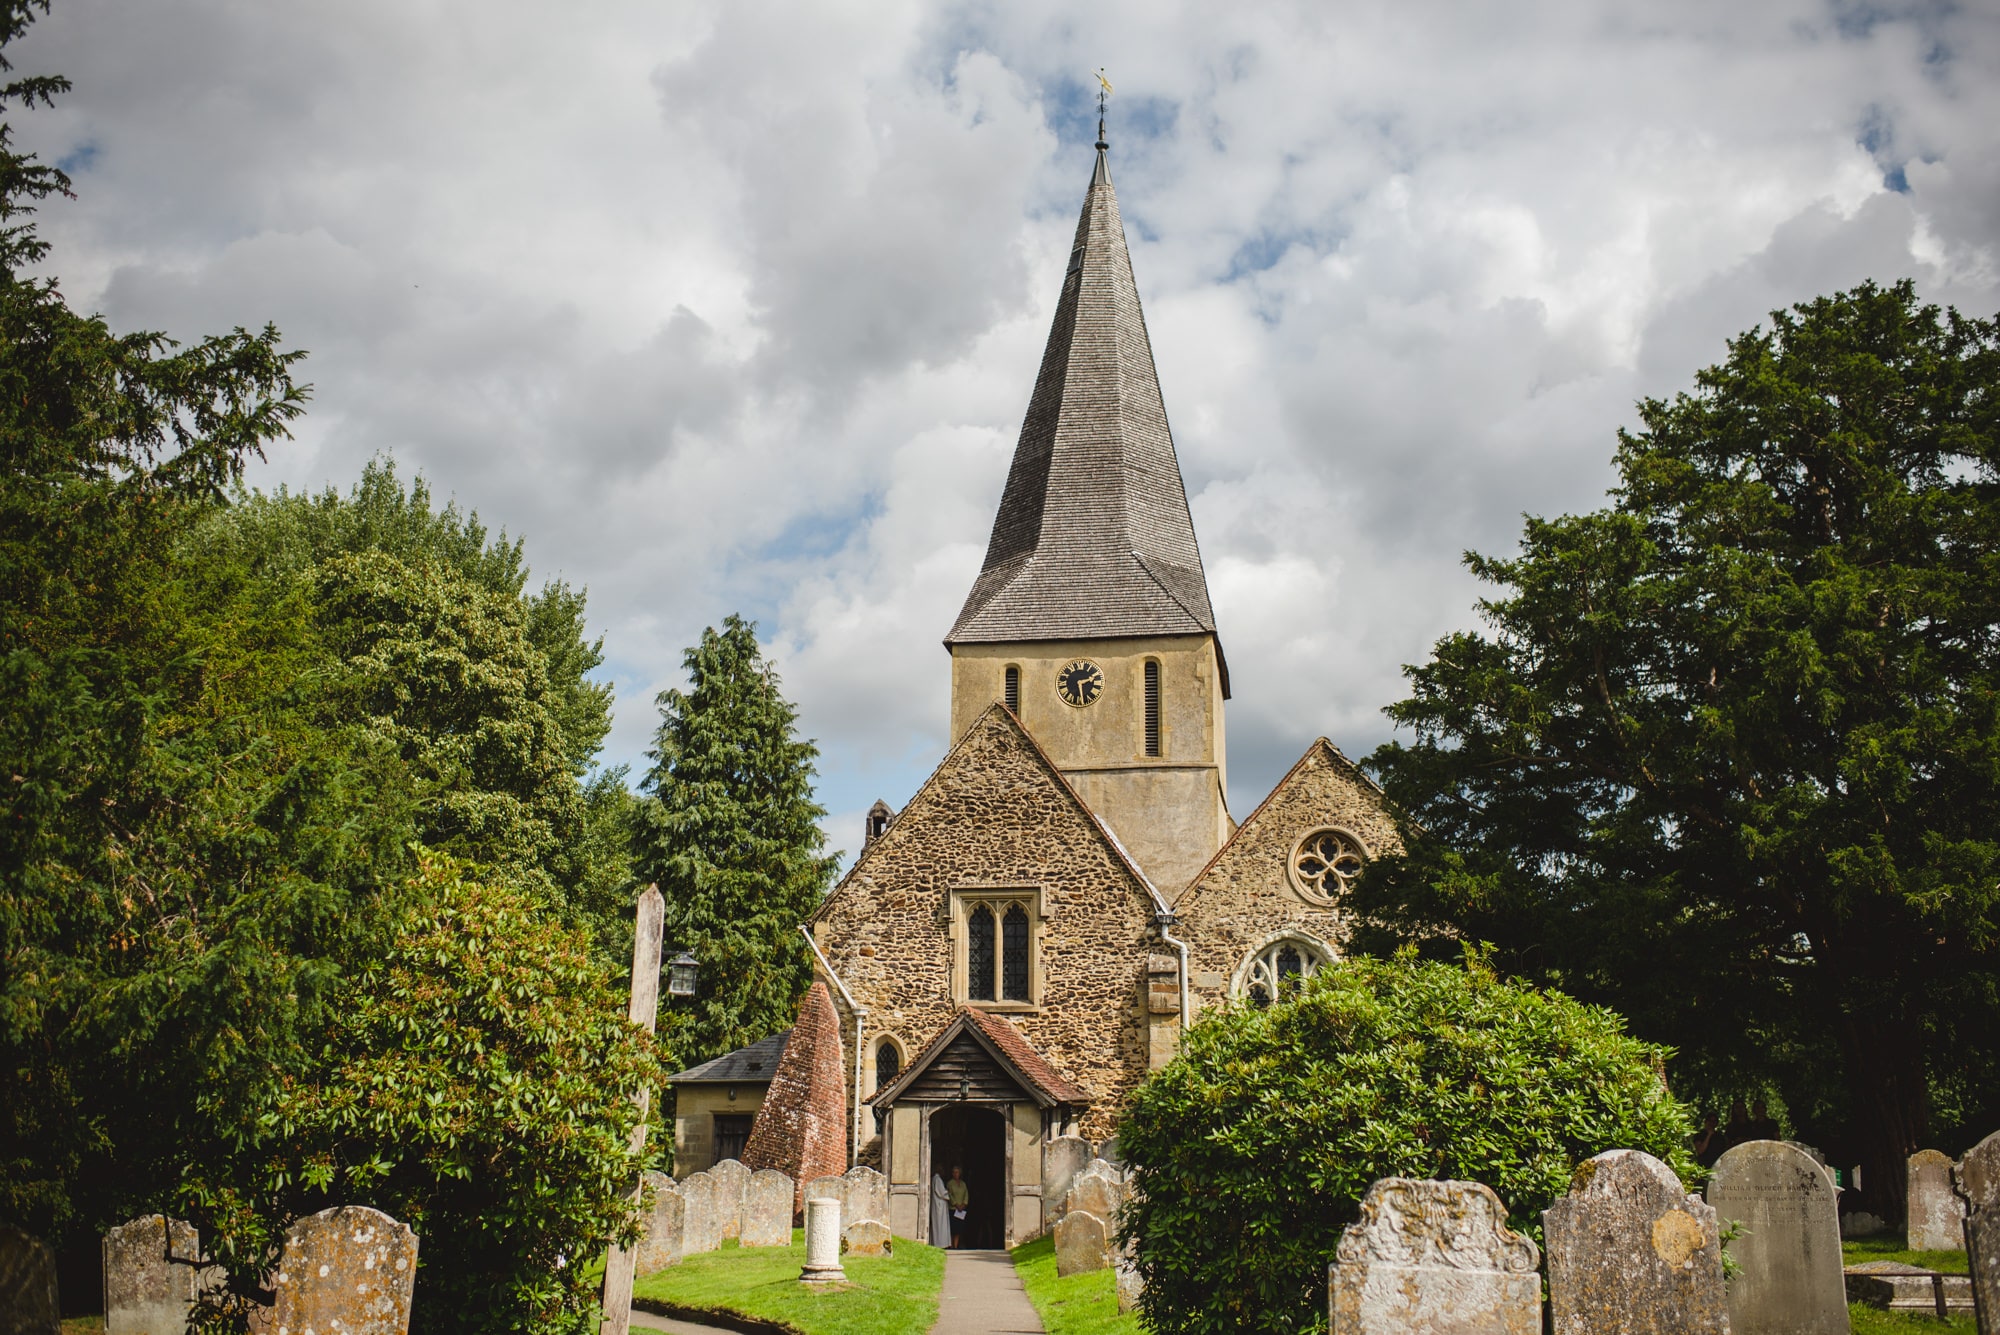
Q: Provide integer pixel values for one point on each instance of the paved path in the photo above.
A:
(673, 1325)
(983, 1296)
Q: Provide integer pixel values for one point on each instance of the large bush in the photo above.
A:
(1254, 1146)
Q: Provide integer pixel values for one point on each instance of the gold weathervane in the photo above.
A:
(1103, 92)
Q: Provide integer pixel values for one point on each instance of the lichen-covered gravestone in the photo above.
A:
(1434, 1258)
(660, 1245)
(829, 1189)
(1789, 1251)
(349, 1270)
(1083, 1242)
(1936, 1219)
(732, 1183)
(151, 1276)
(701, 1226)
(28, 1302)
(1100, 1189)
(1632, 1253)
(867, 1196)
(1977, 1178)
(1063, 1157)
(866, 1237)
(767, 1210)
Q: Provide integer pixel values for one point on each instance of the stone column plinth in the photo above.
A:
(822, 1242)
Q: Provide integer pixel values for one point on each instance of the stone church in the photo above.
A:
(1014, 950)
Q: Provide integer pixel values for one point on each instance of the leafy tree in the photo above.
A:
(1252, 1148)
(728, 832)
(477, 1084)
(1728, 758)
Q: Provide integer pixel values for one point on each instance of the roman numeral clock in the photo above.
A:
(1080, 683)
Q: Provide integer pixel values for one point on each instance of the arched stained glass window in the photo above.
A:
(1014, 954)
(979, 954)
(1279, 968)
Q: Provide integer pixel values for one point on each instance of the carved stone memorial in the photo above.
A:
(1791, 1281)
(1936, 1218)
(732, 1183)
(701, 1226)
(1434, 1258)
(1632, 1253)
(1083, 1242)
(767, 1210)
(350, 1269)
(1063, 1157)
(28, 1302)
(1100, 1189)
(866, 1237)
(660, 1245)
(866, 1196)
(1977, 1178)
(151, 1278)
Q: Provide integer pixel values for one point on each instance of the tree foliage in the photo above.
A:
(729, 833)
(1252, 1148)
(1727, 757)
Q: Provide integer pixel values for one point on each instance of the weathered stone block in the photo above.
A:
(1977, 1179)
(1632, 1253)
(701, 1226)
(822, 1242)
(1100, 1189)
(1936, 1217)
(1790, 1251)
(866, 1195)
(666, 1226)
(1063, 1157)
(151, 1276)
(350, 1269)
(1861, 1224)
(1434, 1258)
(732, 1182)
(866, 1237)
(767, 1210)
(28, 1302)
(1083, 1242)
(1896, 1287)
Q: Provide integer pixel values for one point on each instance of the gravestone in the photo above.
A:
(1977, 1179)
(767, 1210)
(1632, 1253)
(660, 1245)
(701, 1224)
(866, 1237)
(1099, 1189)
(1108, 1151)
(732, 1182)
(1895, 1287)
(1790, 1283)
(1130, 1286)
(1063, 1157)
(349, 1269)
(822, 1242)
(1861, 1224)
(1434, 1258)
(866, 1195)
(150, 1276)
(28, 1302)
(1936, 1218)
(1083, 1242)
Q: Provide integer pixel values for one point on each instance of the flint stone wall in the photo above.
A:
(767, 1210)
(28, 1301)
(660, 1245)
(151, 1278)
(1977, 1179)
(1936, 1217)
(1434, 1258)
(1632, 1253)
(1791, 1282)
(350, 1269)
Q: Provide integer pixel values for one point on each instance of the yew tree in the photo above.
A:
(1727, 754)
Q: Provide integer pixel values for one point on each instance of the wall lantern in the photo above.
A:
(964, 1088)
(680, 975)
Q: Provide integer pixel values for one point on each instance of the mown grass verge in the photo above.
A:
(1073, 1305)
(1889, 1247)
(884, 1295)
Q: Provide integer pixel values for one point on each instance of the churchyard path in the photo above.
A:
(672, 1325)
(983, 1296)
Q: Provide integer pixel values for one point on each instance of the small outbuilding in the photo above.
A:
(716, 1102)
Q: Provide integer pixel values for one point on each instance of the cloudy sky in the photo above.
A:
(735, 306)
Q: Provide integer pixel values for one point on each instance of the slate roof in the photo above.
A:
(755, 1064)
(1093, 537)
(1005, 1044)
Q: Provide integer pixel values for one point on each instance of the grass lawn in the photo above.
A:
(884, 1295)
(1889, 1247)
(1076, 1305)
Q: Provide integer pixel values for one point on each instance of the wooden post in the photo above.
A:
(645, 1012)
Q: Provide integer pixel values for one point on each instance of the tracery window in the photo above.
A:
(1279, 968)
(888, 1063)
(1325, 862)
(1014, 954)
(979, 954)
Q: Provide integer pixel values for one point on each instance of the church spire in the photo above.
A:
(1093, 538)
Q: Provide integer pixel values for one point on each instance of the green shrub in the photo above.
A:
(1254, 1146)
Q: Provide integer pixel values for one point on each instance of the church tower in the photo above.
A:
(1090, 618)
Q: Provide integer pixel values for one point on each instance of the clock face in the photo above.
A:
(1080, 683)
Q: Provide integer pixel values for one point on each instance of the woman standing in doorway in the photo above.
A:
(940, 1211)
(961, 1201)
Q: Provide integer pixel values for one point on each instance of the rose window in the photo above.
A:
(1325, 863)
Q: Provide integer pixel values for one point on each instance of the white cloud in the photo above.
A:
(736, 305)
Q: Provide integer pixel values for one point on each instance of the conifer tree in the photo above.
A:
(729, 832)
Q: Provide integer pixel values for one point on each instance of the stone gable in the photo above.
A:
(1247, 897)
(996, 813)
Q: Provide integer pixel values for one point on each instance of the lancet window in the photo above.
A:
(1000, 936)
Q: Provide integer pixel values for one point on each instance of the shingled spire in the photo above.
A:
(1093, 538)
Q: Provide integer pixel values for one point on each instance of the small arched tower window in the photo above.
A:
(979, 954)
(1152, 707)
(888, 1063)
(879, 818)
(1014, 690)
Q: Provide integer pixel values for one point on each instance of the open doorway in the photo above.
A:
(974, 1139)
